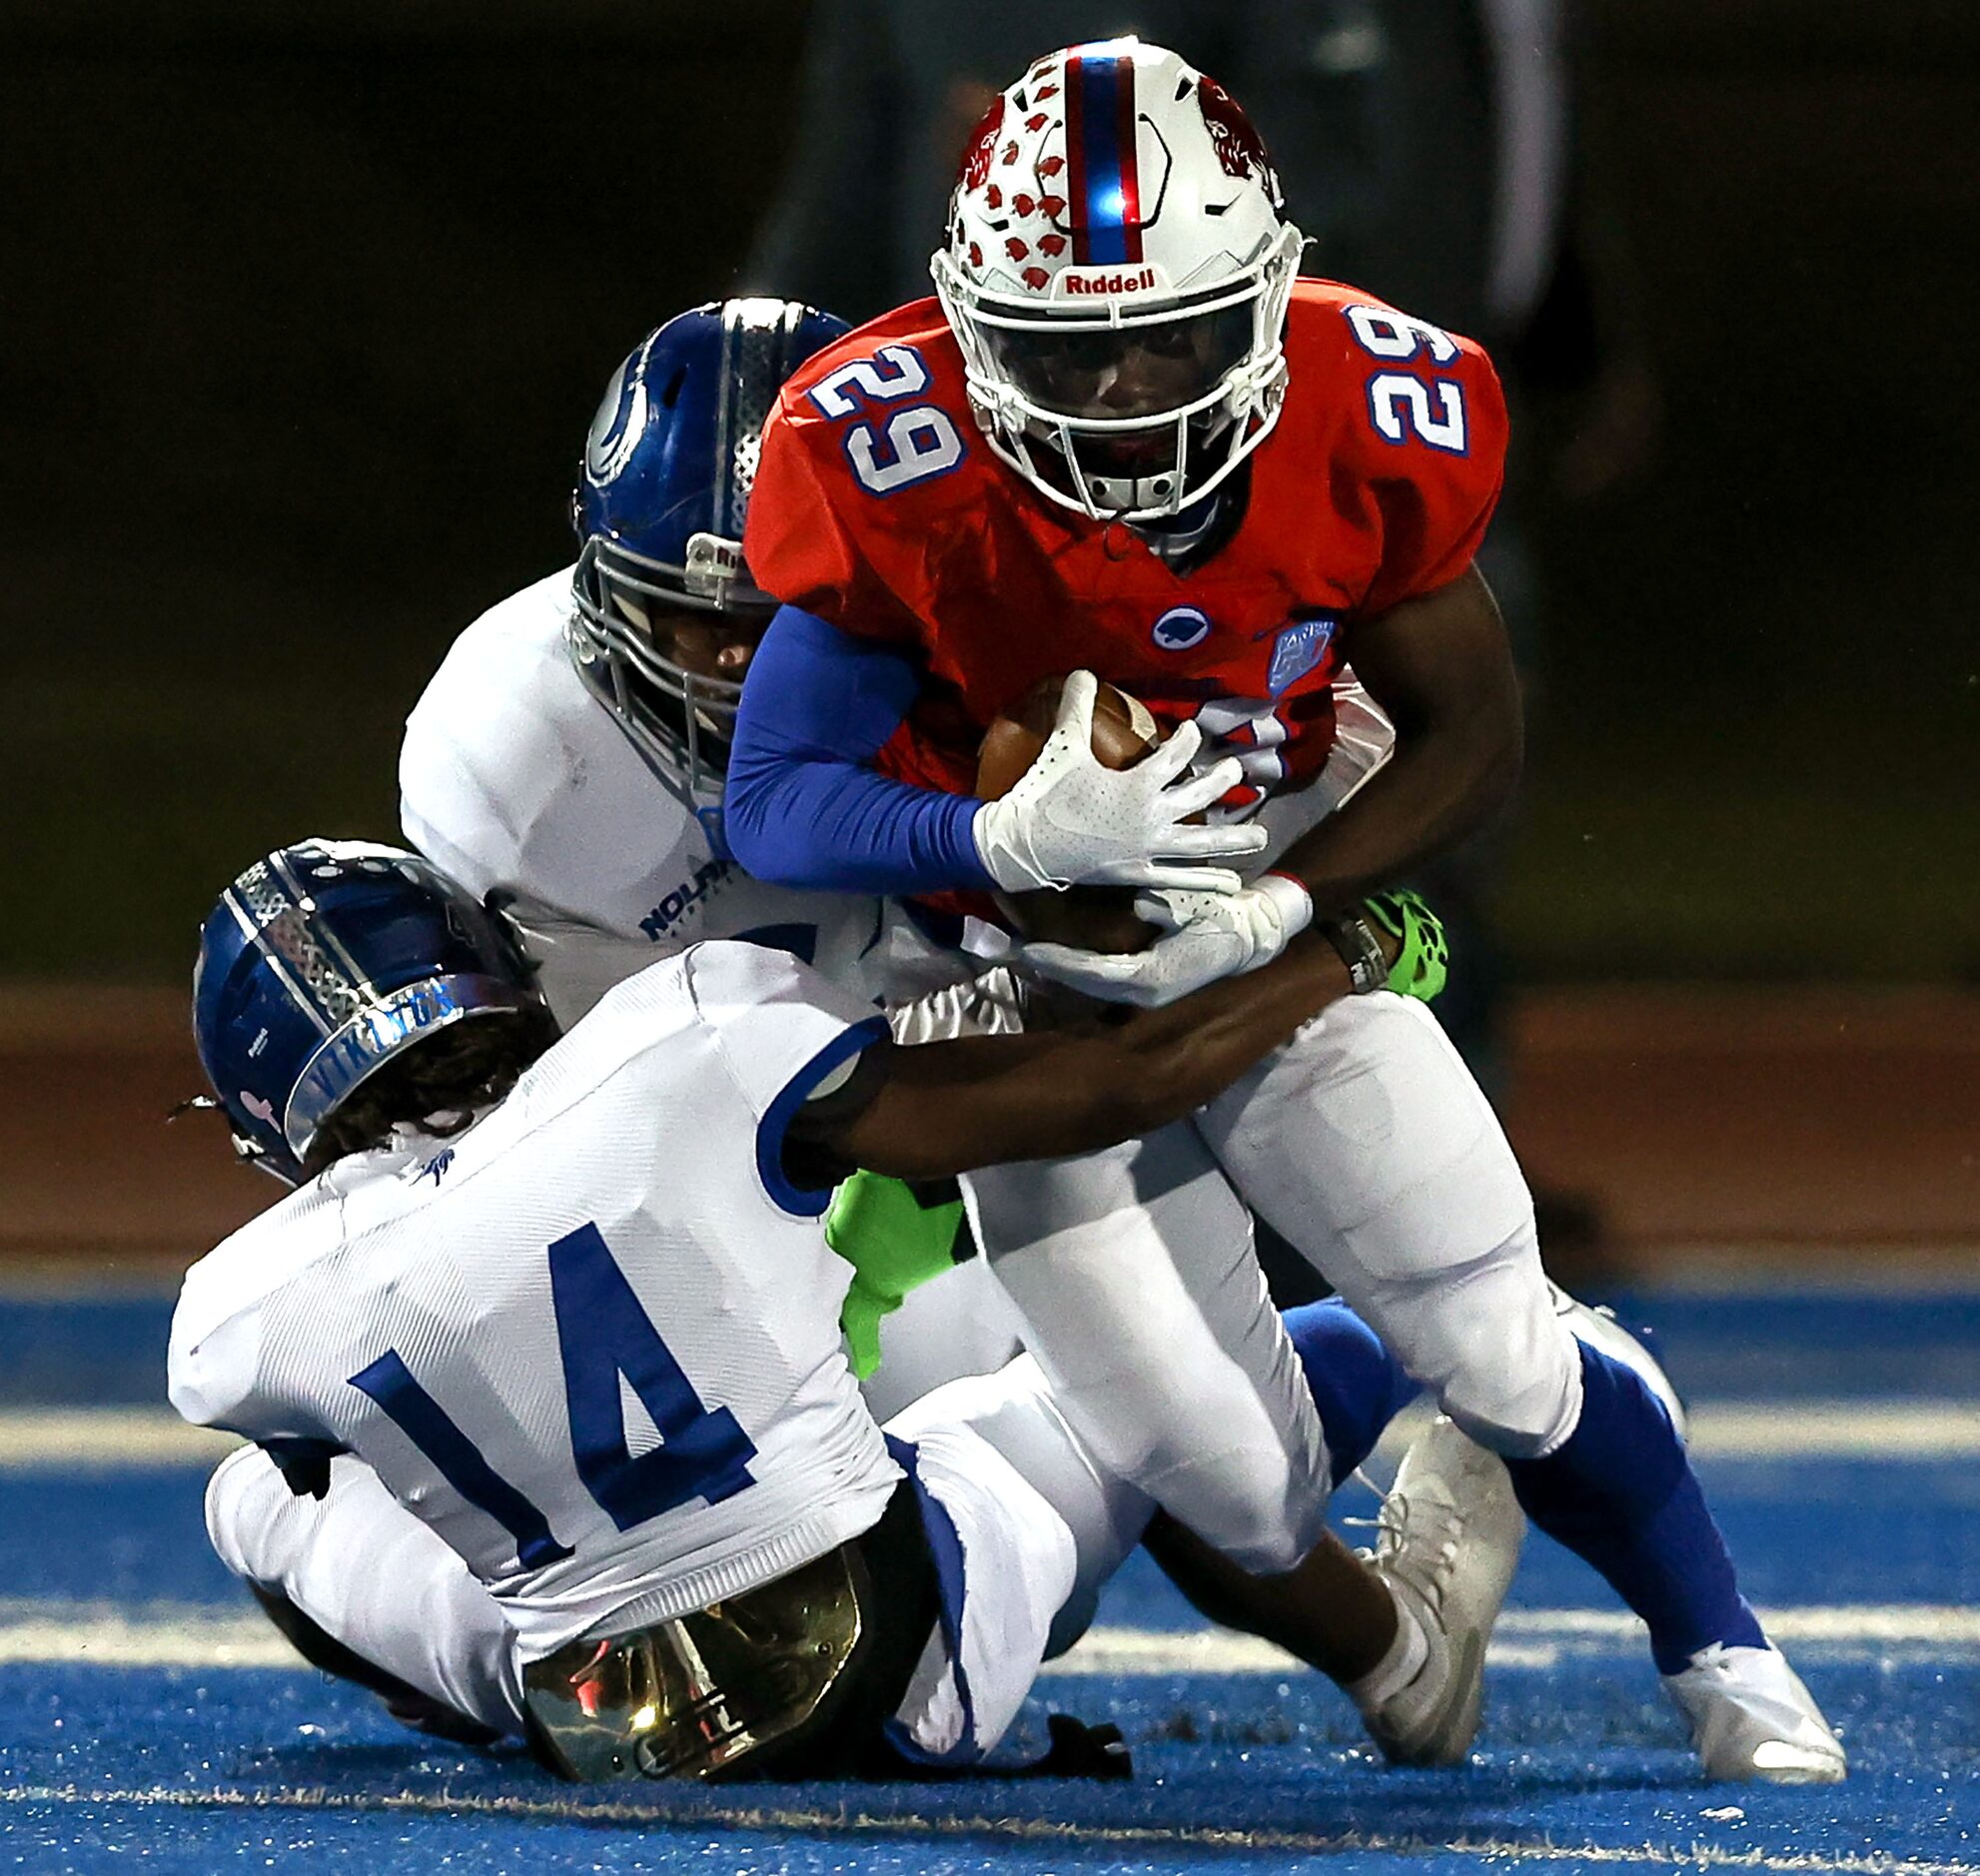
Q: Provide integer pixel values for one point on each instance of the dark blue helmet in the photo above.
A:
(659, 508)
(322, 962)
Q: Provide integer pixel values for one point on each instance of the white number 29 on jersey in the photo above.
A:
(1406, 405)
(912, 445)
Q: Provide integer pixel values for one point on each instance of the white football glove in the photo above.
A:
(1071, 821)
(1208, 935)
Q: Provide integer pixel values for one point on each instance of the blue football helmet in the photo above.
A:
(659, 508)
(322, 963)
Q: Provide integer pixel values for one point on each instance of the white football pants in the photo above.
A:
(957, 1324)
(1045, 1526)
(1366, 1144)
(371, 1574)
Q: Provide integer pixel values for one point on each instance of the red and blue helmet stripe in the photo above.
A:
(1105, 179)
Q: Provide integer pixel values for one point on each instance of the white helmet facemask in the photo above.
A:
(1116, 277)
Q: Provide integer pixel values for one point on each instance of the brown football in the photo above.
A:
(1095, 918)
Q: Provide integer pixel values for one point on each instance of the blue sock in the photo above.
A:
(1357, 1384)
(1620, 1494)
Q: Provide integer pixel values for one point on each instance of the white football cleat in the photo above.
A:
(1753, 1719)
(1602, 1332)
(1450, 1536)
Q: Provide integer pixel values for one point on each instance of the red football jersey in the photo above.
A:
(878, 506)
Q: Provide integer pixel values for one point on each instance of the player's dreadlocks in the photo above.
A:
(441, 1084)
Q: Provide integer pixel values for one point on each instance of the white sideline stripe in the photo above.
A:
(187, 1634)
(165, 1636)
(1934, 1624)
(145, 1440)
(1835, 1429)
(34, 1440)
(699, 1816)
(139, 1438)
(1124, 1651)
(1528, 1638)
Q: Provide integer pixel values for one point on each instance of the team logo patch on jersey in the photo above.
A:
(1301, 647)
(1181, 628)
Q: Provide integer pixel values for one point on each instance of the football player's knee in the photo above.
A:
(1280, 1544)
(1521, 1394)
(1214, 1456)
(246, 1500)
(1262, 1514)
(1484, 1340)
(1236, 1454)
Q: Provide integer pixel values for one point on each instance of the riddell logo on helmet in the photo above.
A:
(1083, 281)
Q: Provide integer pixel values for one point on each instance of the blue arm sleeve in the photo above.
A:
(803, 807)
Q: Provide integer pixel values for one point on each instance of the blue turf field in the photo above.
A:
(148, 1722)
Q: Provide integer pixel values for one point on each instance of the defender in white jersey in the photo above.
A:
(568, 756)
(569, 750)
(549, 1338)
(514, 777)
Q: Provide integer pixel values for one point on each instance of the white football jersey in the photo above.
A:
(514, 775)
(592, 1342)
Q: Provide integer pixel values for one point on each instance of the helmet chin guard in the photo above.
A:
(1117, 276)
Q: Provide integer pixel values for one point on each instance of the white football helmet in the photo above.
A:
(1117, 273)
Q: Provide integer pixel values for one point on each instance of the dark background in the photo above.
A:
(306, 312)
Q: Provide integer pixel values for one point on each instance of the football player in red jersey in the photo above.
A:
(1127, 437)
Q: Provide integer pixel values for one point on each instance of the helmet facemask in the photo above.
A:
(682, 721)
(1211, 362)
